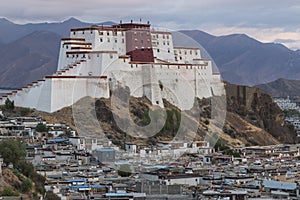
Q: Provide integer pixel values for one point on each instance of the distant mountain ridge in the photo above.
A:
(246, 61)
(28, 58)
(281, 88)
(11, 31)
(241, 60)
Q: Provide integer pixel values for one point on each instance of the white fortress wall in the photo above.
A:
(62, 57)
(85, 67)
(203, 76)
(108, 40)
(36, 95)
(72, 45)
(94, 64)
(109, 60)
(89, 34)
(163, 46)
(217, 85)
(128, 74)
(203, 85)
(151, 88)
(177, 85)
(68, 90)
(29, 96)
(186, 54)
(44, 99)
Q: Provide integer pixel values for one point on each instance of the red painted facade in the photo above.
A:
(138, 42)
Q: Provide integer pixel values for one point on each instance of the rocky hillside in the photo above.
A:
(260, 119)
(252, 119)
(10, 185)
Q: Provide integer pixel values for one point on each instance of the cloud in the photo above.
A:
(285, 41)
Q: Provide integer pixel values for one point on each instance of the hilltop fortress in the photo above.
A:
(97, 59)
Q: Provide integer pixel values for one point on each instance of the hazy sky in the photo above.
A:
(268, 20)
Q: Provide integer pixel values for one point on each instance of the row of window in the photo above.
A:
(109, 39)
(67, 46)
(143, 48)
(180, 67)
(158, 50)
(185, 52)
(156, 36)
(164, 43)
(142, 41)
(83, 56)
(113, 33)
(141, 33)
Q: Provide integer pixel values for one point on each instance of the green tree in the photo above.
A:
(26, 185)
(39, 182)
(219, 146)
(41, 127)
(12, 151)
(8, 191)
(9, 105)
(24, 111)
(231, 152)
(26, 168)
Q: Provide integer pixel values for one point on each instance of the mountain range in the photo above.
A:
(245, 61)
(281, 88)
(30, 51)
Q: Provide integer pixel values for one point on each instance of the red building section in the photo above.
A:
(138, 42)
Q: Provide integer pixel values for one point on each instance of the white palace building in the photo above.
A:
(94, 60)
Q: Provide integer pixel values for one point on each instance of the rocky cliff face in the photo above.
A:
(258, 110)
